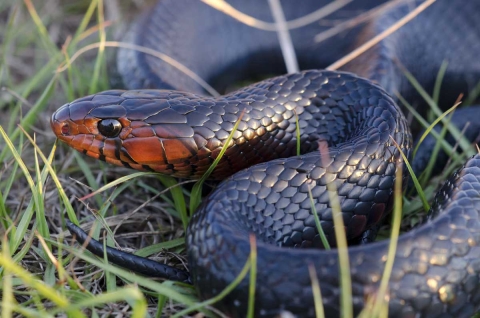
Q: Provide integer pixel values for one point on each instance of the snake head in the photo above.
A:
(140, 129)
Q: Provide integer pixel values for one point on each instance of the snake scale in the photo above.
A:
(179, 130)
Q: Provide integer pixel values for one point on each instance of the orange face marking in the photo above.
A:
(109, 148)
(113, 161)
(73, 128)
(124, 121)
(95, 146)
(91, 124)
(83, 129)
(124, 133)
(148, 150)
(178, 150)
(93, 154)
(78, 141)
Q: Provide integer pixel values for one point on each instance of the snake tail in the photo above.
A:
(141, 265)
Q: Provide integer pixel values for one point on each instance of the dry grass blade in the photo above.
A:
(117, 182)
(253, 276)
(316, 15)
(317, 292)
(145, 50)
(340, 237)
(375, 40)
(370, 14)
(381, 296)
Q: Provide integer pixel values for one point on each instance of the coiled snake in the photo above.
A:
(180, 131)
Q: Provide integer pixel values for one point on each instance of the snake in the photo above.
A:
(351, 133)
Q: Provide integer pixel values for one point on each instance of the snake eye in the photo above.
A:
(109, 127)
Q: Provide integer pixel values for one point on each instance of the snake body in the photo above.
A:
(360, 130)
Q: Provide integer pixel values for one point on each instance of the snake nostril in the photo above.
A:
(65, 129)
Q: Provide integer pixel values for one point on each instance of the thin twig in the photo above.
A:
(369, 44)
(284, 38)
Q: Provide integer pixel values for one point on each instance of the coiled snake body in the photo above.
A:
(359, 126)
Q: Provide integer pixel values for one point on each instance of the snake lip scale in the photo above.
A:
(179, 131)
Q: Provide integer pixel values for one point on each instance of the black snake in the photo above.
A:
(179, 131)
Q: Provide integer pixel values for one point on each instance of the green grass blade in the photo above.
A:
(7, 288)
(87, 172)
(392, 248)
(445, 145)
(438, 82)
(40, 27)
(323, 237)
(474, 94)
(84, 23)
(30, 280)
(161, 301)
(155, 248)
(297, 131)
(227, 290)
(5, 219)
(253, 276)
(119, 181)
(9, 182)
(146, 282)
(418, 187)
(430, 128)
(197, 188)
(8, 36)
(61, 191)
(464, 144)
(178, 198)
(36, 201)
(433, 158)
(32, 116)
(40, 207)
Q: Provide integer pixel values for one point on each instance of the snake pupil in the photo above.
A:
(109, 127)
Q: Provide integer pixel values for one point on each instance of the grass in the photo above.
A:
(41, 272)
